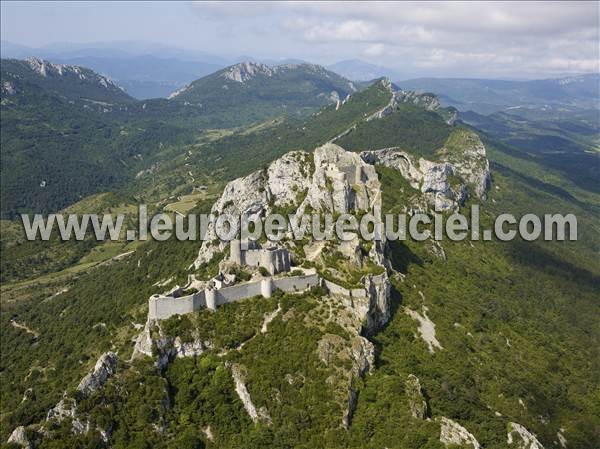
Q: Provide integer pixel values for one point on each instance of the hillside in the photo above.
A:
(69, 132)
(514, 347)
(68, 82)
(250, 89)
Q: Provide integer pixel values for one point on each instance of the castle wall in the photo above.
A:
(163, 307)
(339, 290)
(237, 292)
(296, 283)
(275, 261)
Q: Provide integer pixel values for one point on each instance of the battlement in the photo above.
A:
(163, 307)
(274, 260)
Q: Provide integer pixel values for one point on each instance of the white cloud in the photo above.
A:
(377, 49)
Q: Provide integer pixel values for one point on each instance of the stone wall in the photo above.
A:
(296, 283)
(163, 307)
(339, 290)
(237, 292)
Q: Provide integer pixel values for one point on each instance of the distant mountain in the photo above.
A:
(257, 90)
(68, 132)
(358, 70)
(488, 96)
(115, 49)
(68, 81)
(146, 76)
(142, 70)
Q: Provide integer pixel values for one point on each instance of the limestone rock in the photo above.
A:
(425, 100)
(66, 408)
(105, 367)
(19, 436)
(522, 438)
(379, 308)
(426, 328)
(261, 414)
(446, 184)
(245, 71)
(453, 433)
(416, 399)
(193, 348)
(342, 182)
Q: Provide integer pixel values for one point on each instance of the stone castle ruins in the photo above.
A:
(218, 292)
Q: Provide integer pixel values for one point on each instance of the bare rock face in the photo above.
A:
(445, 184)
(105, 367)
(427, 101)
(66, 408)
(19, 436)
(379, 307)
(283, 183)
(342, 182)
(416, 399)
(261, 414)
(471, 164)
(331, 180)
(453, 433)
(245, 71)
(166, 348)
(521, 438)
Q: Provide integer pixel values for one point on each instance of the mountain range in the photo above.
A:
(402, 344)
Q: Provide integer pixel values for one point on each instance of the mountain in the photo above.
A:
(251, 88)
(404, 344)
(358, 70)
(66, 81)
(67, 133)
(114, 137)
(145, 76)
(487, 96)
(143, 71)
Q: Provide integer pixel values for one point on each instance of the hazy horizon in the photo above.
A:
(498, 40)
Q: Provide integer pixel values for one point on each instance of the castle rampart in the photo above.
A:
(163, 307)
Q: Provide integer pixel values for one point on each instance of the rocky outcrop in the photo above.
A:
(426, 328)
(452, 433)
(462, 170)
(66, 408)
(425, 100)
(19, 437)
(245, 71)
(521, 438)
(105, 367)
(49, 69)
(332, 180)
(153, 342)
(239, 378)
(467, 153)
(416, 399)
(378, 309)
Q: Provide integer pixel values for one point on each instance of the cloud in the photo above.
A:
(496, 39)
(377, 49)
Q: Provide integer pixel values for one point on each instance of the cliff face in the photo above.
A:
(461, 171)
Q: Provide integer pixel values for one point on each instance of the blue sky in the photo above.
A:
(489, 39)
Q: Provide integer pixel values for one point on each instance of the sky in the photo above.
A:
(459, 39)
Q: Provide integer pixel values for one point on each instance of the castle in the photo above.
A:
(274, 260)
(220, 291)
